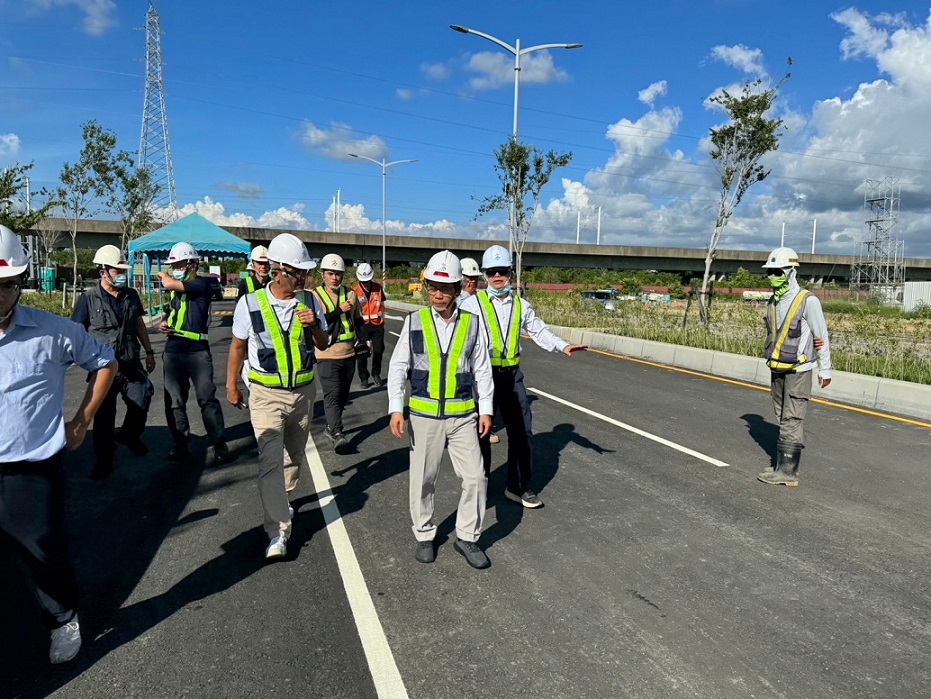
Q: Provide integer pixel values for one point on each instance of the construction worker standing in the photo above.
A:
(372, 301)
(336, 364)
(796, 340)
(187, 359)
(470, 276)
(258, 272)
(504, 317)
(277, 327)
(443, 353)
(36, 350)
(113, 313)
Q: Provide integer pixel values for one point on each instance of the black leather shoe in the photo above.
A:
(178, 454)
(135, 445)
(377, 380)
(474, 556)
(425, 553)
(221, 454)
(340, 443)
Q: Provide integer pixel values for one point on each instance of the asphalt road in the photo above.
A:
(656, 569)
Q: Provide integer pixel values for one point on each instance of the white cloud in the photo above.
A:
(435, 71)
(98, 14)
(649, 95)
(496, 69)
(337, 142)
(403, 94)
(280, 218)
(9, 145)
(744, 59)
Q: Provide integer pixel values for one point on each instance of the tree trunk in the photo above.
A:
(74, 253)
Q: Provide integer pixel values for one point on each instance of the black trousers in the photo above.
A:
(132, 383)
(181, 370)
(335, 377)
(511, 401)
(32, 517)
(376, 333)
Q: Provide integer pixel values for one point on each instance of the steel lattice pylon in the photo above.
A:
(154, 146)
(880, 266)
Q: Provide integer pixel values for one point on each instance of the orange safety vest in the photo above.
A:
(373, 308)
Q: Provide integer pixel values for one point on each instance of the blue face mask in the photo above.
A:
(500, 293)
(179, 274)
(119, 281)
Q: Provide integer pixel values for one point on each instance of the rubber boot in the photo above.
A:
(787, 458)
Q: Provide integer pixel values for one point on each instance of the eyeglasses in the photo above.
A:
(294, 273)
(445, 290)
(498, 272)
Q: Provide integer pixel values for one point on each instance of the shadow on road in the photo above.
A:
(764, 433)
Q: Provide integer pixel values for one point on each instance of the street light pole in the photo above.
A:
(384, 198)
(517, 52)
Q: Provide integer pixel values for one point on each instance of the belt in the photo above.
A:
(15, 467)
(504, 369)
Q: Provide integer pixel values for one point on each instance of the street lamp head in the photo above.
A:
(573, 46)
(457, 28)
(352, 155)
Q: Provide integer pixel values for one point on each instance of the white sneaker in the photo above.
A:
(277, 548)
(290, 511)
(66, 642)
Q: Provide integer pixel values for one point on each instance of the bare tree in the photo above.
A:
(737, 147)
(524, 171)
(48, 233)
(88, 181)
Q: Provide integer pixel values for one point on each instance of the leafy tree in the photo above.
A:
(132, 197)
(14, 214)
(737, 147)
(743, 279)
(524, 171)
(87, 181)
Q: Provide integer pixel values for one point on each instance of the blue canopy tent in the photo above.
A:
(207, 238)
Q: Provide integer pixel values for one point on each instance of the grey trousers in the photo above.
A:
(791, 394)
(281, 420)
(459, 436)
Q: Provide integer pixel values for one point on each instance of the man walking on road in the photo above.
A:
(442, 352)
(277, 328)
(257, 276)
(113, 314)
(504, 316)
(187, 359)
(336, 364)
(796, 339)
(470, 277)
(372, 301)
(36, 350)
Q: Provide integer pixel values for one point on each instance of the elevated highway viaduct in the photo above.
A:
(403, 250)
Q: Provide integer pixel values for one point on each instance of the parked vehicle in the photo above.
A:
(606, 297)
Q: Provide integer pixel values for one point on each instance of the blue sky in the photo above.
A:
(265, 101)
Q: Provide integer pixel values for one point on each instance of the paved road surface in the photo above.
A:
(656, 569)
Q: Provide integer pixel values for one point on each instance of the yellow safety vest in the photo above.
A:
(176, 319)
(782, 343)
(293, 363)
(441, 383)
(348, 334)
(502, 355)
(250, 284)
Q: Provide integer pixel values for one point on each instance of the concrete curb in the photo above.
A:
(869, 392)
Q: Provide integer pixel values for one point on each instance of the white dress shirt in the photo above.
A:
(530, 323)
(401, 363)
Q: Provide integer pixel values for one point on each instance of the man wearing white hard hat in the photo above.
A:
(187, 359)
(337, 363)
(504, 318)
(470, 278)
(36, 350)
(796, 341)
(257, 269)
(371, 297)
(443, 354)
(112, 312)
(277, 327)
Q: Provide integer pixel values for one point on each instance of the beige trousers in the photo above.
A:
(281, 421)
(459, 436)
(791, 395)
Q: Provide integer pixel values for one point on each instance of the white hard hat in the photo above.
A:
(470, 267)
(13, 259)
(181, 252)
(333, 262)
(259, 254)
(110, 256)
(780, 258)
(364, 272)
(288, 249)
(496, 256)
(250, 268)
(443, 267)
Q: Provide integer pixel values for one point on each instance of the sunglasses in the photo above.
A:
(498, 272)
(294, 273)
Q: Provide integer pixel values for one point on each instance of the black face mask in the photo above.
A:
(5, 318)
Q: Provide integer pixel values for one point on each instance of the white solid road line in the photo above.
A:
(631, 428)
(394, 333)
(385, 674)
(394, 317)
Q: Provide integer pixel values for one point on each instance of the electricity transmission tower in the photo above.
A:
(880, 266)
(154, 146)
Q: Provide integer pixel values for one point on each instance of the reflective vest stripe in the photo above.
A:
(176, 319)
(250, 284)
(288, 355)
(777, 359)
(348, 334)
(502, 355)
